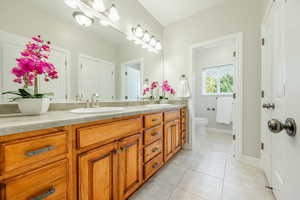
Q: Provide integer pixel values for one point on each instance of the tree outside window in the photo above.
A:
(218, 80)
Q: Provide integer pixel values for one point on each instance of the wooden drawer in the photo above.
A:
(45, 183)
(152, 150)
(172, 115)
(104, 133)
(27, 151)
(153, 134)
(151, 167)
(153, 120)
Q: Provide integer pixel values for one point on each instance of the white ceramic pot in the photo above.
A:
(34, 106)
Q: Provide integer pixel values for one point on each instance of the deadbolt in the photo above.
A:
(290, 126)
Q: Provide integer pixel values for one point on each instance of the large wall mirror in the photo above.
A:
(89, 60)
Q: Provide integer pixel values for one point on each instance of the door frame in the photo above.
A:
(13, 38)
(262, 139)
(238, 77)
(123, 65)
(81, 55)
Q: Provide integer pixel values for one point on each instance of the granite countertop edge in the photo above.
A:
(13, 124)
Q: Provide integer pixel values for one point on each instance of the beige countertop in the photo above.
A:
(17, 123)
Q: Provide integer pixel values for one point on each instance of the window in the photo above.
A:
(217, 80)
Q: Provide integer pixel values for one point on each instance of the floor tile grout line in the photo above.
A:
(222, 191)
(176, 185)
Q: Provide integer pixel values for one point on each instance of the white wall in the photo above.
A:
(231, 17)
(209, 57)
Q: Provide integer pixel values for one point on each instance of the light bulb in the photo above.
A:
(82, 19)
(158, 46)
(146, 37)
(139, 31)
(114, 14)
(99, 5)
(152, 41)
(72, 3)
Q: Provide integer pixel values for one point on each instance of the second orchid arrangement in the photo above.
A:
(166, 89)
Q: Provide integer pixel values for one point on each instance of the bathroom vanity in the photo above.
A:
(87, 156)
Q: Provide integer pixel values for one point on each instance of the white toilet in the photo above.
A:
(200, 124)
(200, 121)
(199, 131)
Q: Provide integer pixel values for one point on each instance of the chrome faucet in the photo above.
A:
(94, 100)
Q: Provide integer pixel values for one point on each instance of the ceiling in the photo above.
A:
(170, 11)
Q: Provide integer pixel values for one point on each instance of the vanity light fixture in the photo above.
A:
(138, 31)
(141, 37)
(93, 10)
(82, 19)
(114, 14)
(146, 37)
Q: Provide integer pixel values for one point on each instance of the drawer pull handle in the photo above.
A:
(155, 149)
(44, 195)
(39, 151)
(154, 133)
(155, 119)
(155, 165)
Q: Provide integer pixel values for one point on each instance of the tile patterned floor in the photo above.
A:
(210, 173)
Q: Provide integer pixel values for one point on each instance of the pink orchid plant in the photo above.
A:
(32, 64)
(166, 88)
(153, 86)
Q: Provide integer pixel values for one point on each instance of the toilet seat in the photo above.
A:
(201, 121)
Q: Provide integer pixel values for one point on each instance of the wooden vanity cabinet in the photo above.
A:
(130, 166)
(172, 139)
(107, 160)
(97, 173)
(110, 161)
(184, 122)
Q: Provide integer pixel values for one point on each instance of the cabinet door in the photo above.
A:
(176, 136)
(168, 140)
(97, 170)
(130, 165)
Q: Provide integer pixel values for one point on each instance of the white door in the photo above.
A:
(58, 87)
(278, 67)
(266, 95)
(292, 93)
(282, 60)
(132, 83)
(96, 77)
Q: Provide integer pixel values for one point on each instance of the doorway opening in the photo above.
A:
(217, 96)
(132, 76)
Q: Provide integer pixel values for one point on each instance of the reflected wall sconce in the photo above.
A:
(142, 37)
(93, 10)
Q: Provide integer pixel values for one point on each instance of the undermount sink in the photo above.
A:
(96, 110)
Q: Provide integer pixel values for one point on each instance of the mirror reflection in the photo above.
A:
(96, 61)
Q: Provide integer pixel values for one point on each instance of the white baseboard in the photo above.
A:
(250, 160)
(219, 130)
